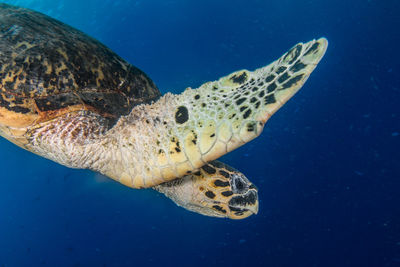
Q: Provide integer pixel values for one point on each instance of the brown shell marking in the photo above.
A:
(48, 68)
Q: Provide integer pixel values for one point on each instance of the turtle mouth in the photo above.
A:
(244, 205)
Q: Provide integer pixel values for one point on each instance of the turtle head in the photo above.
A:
(244, 200)
(229, 192)
(215, 190)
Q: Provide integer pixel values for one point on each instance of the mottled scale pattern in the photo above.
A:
(168, 139)
(74, 139)
(179, 133)
(47, 66)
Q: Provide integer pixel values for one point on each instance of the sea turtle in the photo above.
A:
(67, 97)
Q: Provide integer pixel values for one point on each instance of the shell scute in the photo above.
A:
(47, 66)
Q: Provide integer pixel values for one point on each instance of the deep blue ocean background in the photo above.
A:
(327, 164)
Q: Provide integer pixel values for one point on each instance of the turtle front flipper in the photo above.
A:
(215, 190)
(233, 110)
(179, 133)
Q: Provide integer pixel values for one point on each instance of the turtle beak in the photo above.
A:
(253, 208)
(243, 206)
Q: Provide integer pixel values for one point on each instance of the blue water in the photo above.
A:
(327, 165)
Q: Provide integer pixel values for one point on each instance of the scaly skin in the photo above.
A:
(177, 135)
(165, 140)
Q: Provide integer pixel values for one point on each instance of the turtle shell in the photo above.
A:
(48, 68)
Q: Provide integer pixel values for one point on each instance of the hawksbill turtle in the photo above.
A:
(68, 98)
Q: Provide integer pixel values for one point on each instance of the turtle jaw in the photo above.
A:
(238, 213)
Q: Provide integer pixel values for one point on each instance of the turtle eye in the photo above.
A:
(239, 185)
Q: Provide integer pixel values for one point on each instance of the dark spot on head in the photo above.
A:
(203, 105)
(243, 108)
(249, 199)
(177, 149)
(224, 173)
(227, 193)
(216, 164)
(212, 135)
(210, 194)
(257, 104)
(253, 99)
(239, 79)
(261, 94)
(220, 183)
(208, 169)
(235, 209)
(254, 89)
(181, 115)
(197, 97)
(198, 173)
(219, 208)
